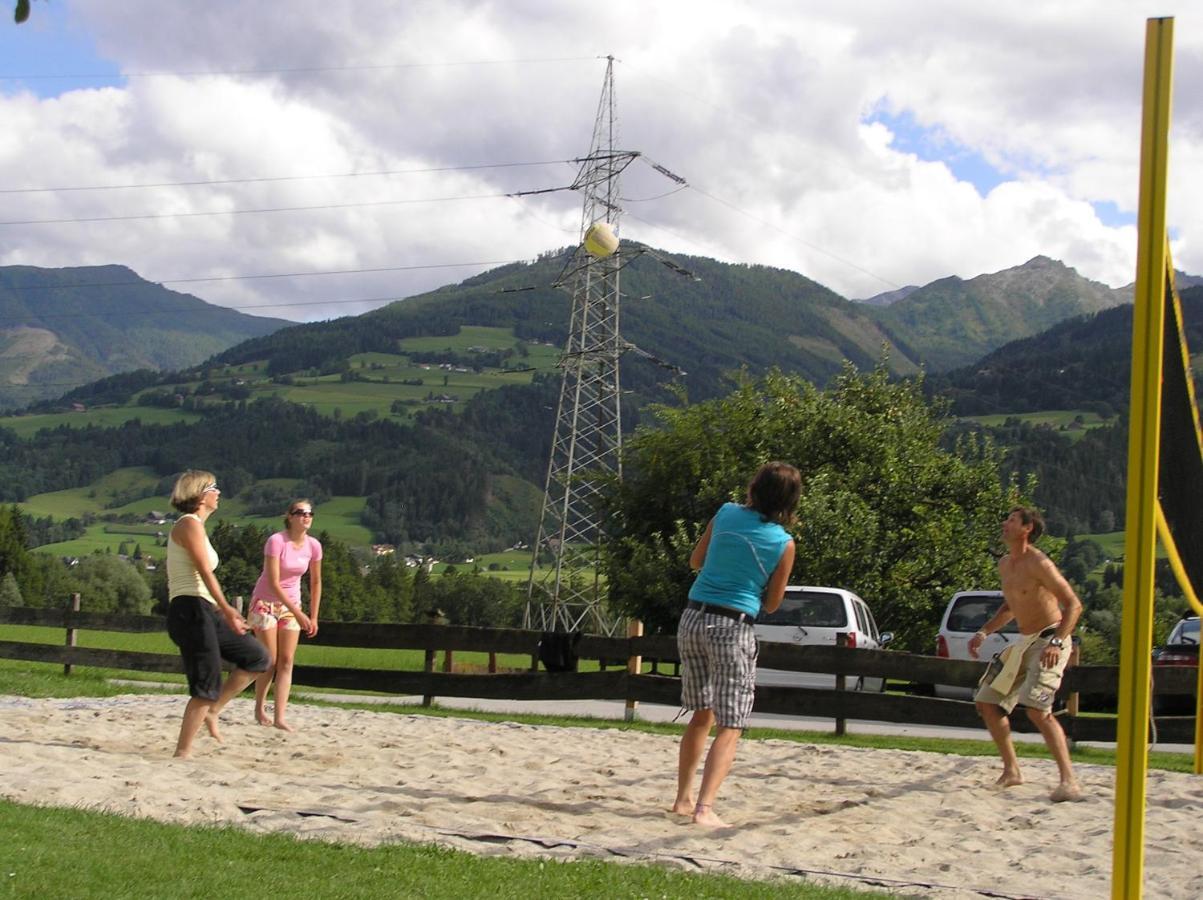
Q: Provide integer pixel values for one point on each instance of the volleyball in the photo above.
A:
(600, 240)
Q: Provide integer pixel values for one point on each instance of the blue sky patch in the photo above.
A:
(48, 55)
(932, 144)
(1111, 215)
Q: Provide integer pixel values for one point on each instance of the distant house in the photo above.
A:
(78, 407)
(154, 517)
(383, 549)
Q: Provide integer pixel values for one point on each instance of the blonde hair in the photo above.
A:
(189, 487)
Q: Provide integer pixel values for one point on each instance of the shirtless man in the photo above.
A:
(1046, 609)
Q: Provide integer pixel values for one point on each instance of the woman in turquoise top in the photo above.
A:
(745, 556)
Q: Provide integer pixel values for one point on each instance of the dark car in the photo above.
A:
(1180, 649)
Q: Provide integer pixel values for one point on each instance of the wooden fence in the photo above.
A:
(617, 684)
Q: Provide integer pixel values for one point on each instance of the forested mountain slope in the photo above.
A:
(953, 322)
(66, 327)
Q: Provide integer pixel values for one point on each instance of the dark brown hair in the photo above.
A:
(774, 491)
(1029, 515)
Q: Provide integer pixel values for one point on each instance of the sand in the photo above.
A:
(919, 824)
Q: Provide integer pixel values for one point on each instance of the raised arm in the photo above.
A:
(698, 556)
(775, 590)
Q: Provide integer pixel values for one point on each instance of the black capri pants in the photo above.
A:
(205, 639)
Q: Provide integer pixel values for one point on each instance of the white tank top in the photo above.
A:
(183, 579)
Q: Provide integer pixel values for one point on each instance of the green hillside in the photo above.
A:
(60, 327)
(952, 322)
(427, 423)
(723, 318)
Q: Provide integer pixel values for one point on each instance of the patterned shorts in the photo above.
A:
(1036, 686)
(266, 615)
(718, 666)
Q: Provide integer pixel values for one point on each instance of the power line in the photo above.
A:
(195, 280)
(213, 306)
(272, 209)
(296, 70)
(278, 178)
(794, 237)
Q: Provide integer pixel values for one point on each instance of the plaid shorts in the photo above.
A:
(718, 666)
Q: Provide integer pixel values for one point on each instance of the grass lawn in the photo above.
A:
(50, 852)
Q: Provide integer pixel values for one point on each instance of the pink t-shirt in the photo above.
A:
(294, 563)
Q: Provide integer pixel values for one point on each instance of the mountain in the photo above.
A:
(60, 328)
(355, 408)
(952, 322)
(889, 297)
(1081, 363)
(708, 323)
(1182, 281)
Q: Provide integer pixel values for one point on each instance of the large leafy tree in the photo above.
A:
(885, 511)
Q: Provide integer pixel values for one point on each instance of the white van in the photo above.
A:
(815, 615)
(965, 615)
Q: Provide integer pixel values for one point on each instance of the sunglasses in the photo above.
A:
(210, 487)
(301, 512)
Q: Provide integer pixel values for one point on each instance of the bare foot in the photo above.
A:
(214, 731)
(1008, 779)
(262, 718)
(1066, 791)
(182, 754)
(683, 808)
(704, 816)
(282, 725)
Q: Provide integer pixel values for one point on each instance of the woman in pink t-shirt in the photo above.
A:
(276, 613)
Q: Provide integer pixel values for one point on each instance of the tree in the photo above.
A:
(107, 583)
(10, 591)
(885, 511)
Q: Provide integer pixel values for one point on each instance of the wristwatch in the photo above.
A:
(1055, 642)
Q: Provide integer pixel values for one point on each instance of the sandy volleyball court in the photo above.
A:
(919, 823)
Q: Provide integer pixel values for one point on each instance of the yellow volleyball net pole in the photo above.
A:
(1148, 321)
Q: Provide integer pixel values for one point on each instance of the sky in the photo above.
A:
(319, 158)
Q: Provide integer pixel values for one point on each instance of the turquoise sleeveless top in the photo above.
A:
(743, 552)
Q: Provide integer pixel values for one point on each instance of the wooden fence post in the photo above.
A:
(1074, 699)
(71, 632)
(841, 725)
(634, 666)
(434, 617)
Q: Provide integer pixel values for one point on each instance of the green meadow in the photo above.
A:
(101, 417)
(1073, 423)
(340, 516)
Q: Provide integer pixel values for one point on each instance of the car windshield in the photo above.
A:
(812, 609)
(1187, 632)
(971, 612)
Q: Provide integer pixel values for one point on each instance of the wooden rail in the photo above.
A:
(623, 684)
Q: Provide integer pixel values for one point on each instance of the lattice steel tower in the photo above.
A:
(564, 592)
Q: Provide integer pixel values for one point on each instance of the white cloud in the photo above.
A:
(761, 105)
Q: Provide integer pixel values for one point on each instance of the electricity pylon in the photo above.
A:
(565, 592)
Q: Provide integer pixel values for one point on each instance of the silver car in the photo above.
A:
(814, 616)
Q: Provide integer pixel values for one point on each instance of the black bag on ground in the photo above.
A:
(557, 650)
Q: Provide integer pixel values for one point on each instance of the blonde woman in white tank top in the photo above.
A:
(200, 621)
